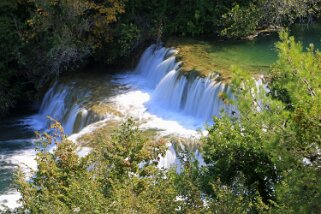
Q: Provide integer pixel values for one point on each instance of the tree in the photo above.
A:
(64, 33)
(62, 183)
(271, 145)
(13, 84)
(120, 175)
(244, 18)
(240, 21)
(297, 76)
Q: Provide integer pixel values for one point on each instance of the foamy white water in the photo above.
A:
(24, 159)
(10, 200)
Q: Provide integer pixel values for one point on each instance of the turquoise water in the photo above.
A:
(260, 52)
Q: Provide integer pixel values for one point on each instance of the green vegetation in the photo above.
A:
(119, 176)
(263, 159)
(13, 83)
(241, 21)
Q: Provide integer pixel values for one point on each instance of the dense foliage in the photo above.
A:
(120, 175)
(13, 83)
(263, 159)
(246, 18)
(42, 38)
(272, 144)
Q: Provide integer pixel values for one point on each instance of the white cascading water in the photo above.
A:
(63, 104)
(155, 63)
(71, 116)
(55, 105)
(196, 97)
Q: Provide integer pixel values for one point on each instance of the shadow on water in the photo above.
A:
(15, 139)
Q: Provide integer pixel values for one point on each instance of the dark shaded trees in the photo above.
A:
(13, 82)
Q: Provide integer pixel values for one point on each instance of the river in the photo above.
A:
(155, 95)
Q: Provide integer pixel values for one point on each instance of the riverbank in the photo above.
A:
(207, 56)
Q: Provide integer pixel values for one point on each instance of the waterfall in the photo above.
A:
(155, 63)
(64, 104)
(166, 88)
(71, 116)
(53, 103)
(193, 96)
